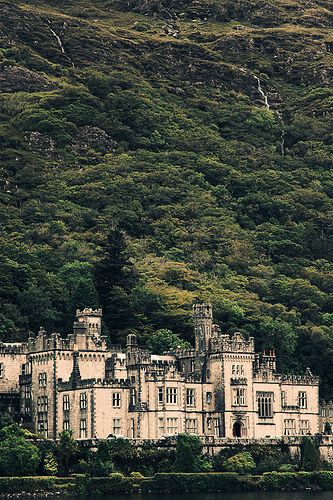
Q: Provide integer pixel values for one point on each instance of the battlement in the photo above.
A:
(13, 348)
(203, 311)
(181, 353)
(307, 379)
(88, 311)
(237, 343)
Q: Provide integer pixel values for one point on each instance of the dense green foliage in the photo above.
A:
(18, 457)
(242, 463)
(141, 169)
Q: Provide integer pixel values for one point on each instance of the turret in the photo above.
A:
(89, 321)
(268, 360)
(203, 323)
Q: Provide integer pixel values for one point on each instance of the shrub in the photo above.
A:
(285, 481)
(200, 482)
(242, 463)
(50, 464)
(115, 483)
(323, 479)
(17, 456)
(26, 484)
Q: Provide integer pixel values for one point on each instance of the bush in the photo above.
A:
(323, 479)
(115, 483)
(17, 456)
(285, 481)
(201, 482)
(242, 463)
(26, 484)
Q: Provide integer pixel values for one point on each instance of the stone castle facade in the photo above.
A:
(220, 388)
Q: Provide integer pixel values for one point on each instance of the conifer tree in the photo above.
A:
(115, 279)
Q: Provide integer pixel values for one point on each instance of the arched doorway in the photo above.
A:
(237, 429)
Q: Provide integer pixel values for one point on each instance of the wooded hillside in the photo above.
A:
(158, 152)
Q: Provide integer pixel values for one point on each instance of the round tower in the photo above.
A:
(92, 319)
(203, 323)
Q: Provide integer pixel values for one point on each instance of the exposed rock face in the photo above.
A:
(93, 138)
(42, 144)
(17, 78)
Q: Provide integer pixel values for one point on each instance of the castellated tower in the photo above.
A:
(89, 321)
(203, 324)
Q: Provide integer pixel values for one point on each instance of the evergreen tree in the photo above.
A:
(50, 464)
(66, 452)
(310, 455)
(188, 453)
(115, 279)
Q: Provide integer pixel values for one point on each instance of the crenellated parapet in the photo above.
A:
(307, 379)
(13, 348)
(180, 353)
(236, 343)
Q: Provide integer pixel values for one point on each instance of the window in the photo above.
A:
(161, 426)
(24, 369)
(172, 426)
(133, 396)
(27, 392)
(171, 395)
(238, 397)
(65, 425)
(217, 427)
(304, 427)
(160, 396)
(42, 404)
(191, 426)
(289, 427)
(302, 400)
(2, 370)
(237, 370)
(83, 428)
(116, 426)
(323, 412)
(42, 424)
(190, 397)
(283, 398)
(65, 402)
(265, 404)
(42, 379)
(83, 401)
(132, 428)
(116, 400)
(209, 397)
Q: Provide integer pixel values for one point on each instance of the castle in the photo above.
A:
(220, 388)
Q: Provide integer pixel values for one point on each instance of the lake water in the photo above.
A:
(300, 495)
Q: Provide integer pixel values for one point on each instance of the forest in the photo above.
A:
(154, 153)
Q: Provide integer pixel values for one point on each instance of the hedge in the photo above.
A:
(27, 484)
(288, 481)
(115, 483)
(201, 482)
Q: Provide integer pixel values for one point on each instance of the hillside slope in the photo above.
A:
(156, 152)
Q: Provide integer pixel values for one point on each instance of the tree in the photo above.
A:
(115, 278)
(242, 463)
(163, 340)
(188, 453)
(66, 452)
(310, 454)
(18, 457)
(50, 464)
